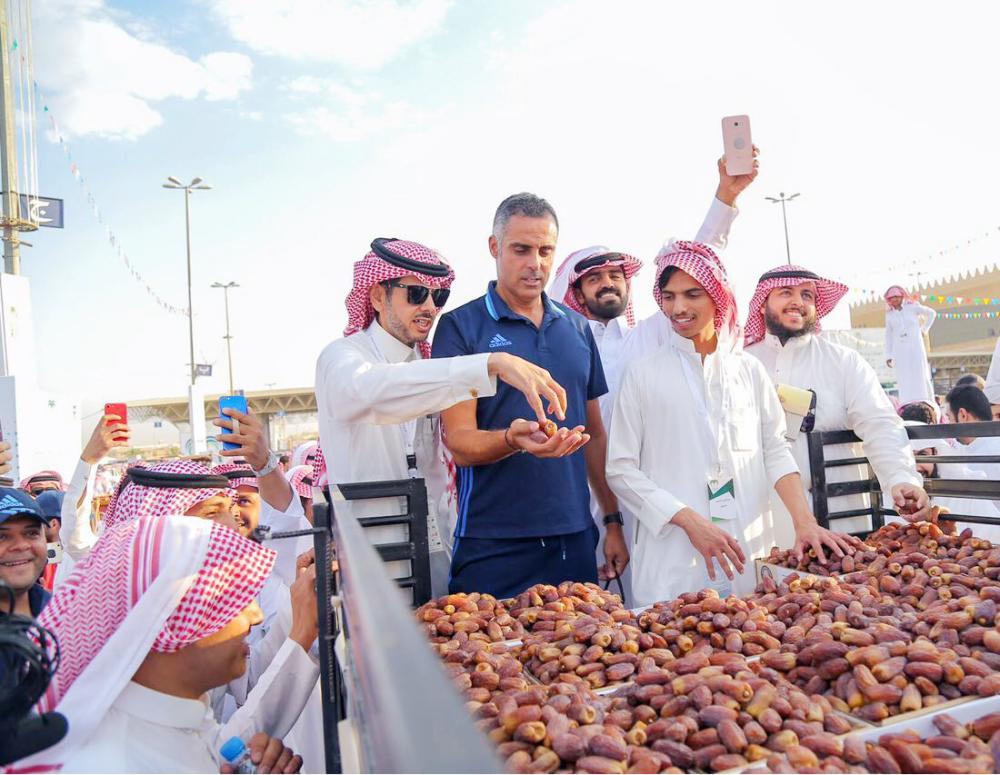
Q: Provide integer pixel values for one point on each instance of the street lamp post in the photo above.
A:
(784, 217)
(195, 185)
(229, 350)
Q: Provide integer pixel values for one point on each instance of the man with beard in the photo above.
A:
(597, 282)
(784, 317)
(697, 443)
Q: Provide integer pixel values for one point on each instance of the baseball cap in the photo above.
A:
(50, 503)
(15, 503)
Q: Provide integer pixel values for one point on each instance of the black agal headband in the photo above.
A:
(798, 274)
(603, 258)
(387, 254)
(176, 481)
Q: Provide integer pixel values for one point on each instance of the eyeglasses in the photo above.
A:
(417, 294)
(809, 421)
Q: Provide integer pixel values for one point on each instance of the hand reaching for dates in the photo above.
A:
(534, 439)
(814, 537)
(711, 542)
(911, 502)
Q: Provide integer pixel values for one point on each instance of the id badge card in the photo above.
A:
(722, 502)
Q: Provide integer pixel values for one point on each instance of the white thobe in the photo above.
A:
(992, 388)
(75, 533)
(848, 397)
(611, 341)
(904, 344)
(369, 386)
(148, 731)
(677, 424)
(984, 445)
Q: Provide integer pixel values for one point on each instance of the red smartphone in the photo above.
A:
(121, 411)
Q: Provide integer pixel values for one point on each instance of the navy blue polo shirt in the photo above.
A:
(523, 496)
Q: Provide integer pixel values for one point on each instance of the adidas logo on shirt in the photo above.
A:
(499, 340)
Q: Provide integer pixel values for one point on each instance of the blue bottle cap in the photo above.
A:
(232, 749)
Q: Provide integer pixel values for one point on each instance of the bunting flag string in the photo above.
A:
(113, 240)
(972, 240)
(937, 298)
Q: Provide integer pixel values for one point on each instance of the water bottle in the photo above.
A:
(236, 754)
(722, 584)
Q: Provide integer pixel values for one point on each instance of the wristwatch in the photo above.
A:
(269, 466)
(614, 519)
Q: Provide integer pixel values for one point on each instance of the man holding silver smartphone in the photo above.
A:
(780, 331)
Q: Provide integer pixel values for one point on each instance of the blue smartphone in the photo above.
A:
(239, 403)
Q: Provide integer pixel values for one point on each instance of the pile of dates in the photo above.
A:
(585, 650)
(870, 656)
(918, 555)
(734, 625)
(544, 606)
(483, 617)
(711, 710)
(957, 748)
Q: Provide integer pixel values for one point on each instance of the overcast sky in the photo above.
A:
(324, 124)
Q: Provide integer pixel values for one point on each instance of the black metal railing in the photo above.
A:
(823, 491)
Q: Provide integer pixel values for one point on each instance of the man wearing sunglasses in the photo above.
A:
(780, 331)
(378, 392)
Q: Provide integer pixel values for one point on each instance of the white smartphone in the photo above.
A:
(54, 552)
(737, 145)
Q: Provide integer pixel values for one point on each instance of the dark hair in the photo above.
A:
(526, 204)
(283, 459)
(971, 379)
(667, 274)
(918, 411)
(972, 400)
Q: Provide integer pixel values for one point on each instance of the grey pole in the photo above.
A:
(8, 155)
(784, 218)
(187, 232)
(228, 337)
(195, 185)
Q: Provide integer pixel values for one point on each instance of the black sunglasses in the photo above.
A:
(417, 294)
(809, 421)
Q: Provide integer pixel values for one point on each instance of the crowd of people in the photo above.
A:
(558, 437)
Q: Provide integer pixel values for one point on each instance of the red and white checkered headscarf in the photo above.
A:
(301, 479)
(320, 477)
(567, 276)
(304, 454)
(372, 270)
(156, 584)
(828, 293)
(248, 479)
(43, 476)
(702, 263)
(896, 290)
(132, 500)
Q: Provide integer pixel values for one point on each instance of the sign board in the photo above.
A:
(203, 369)
(45, 211)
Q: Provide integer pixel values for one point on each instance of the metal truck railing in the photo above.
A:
(823, 491)
(388, 705)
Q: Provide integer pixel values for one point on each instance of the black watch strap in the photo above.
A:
(614, 519)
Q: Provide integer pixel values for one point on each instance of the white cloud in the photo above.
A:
(103, 75)
(362, 34)
(345, 113)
